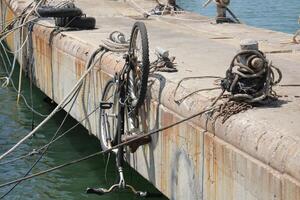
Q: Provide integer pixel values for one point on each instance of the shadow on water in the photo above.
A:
(67, 183)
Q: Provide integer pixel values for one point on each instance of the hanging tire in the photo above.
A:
(138, 77)
(50, 11)
(109, 116)
(76, 22)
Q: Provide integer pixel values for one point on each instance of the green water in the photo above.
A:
(67, 183)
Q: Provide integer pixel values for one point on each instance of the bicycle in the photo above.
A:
(121, 99)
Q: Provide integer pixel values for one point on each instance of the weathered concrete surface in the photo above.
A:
(254, 155)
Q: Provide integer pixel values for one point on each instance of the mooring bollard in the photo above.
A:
(251, 75)
(222, 9)
(246, 59)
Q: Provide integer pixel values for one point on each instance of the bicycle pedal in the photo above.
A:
(106, 105)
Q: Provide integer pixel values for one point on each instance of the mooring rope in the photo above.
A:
(23, 17)
(58, 107)
(110, 149)
(13, 85)
(38, 151)
(21, 21)
(179, 101)
(74, 98)
(26, 13)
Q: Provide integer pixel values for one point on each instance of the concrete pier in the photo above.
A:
(254, 155)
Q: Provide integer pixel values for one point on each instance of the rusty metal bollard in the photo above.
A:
(246, 59)
(222, 9)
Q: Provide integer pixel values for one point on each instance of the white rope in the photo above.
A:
(143, 11)
(16, 54)
(58, 107)
(5, 34)
(20, 48)
(9, 77)
(12, 83)
(25, 21)
(21, 63)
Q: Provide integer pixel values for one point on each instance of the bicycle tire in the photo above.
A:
(50, 11)
(76, 22)
(139, 29)
(108, 129)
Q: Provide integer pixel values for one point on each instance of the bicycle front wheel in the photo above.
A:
(138, 75)
(109, 115)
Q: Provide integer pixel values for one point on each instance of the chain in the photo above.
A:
(230, 108)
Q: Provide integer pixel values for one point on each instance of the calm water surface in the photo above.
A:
(279, 15)
(70, 183)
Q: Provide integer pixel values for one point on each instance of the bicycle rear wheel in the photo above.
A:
(109, 116)
(138, 75)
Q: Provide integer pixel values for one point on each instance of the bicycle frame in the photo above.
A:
(124, 91)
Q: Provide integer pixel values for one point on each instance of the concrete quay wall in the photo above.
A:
(254, 155)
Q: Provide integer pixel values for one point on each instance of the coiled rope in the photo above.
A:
(116, 42)
(164, 9)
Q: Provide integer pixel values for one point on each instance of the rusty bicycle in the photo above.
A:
(122, 97)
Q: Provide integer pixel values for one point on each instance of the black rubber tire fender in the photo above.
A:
(50, 11)
(76, 22)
